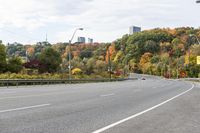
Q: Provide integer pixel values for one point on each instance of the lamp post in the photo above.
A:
(70, 41)
(198, 1)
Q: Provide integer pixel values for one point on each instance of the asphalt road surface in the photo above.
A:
(153, 105)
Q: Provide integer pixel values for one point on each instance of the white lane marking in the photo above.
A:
(107, 95)
(140, 113)
(27, 96)
(24, 108)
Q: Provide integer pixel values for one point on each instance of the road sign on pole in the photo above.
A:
(198, 60)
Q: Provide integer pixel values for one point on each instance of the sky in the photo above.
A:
(28, 21)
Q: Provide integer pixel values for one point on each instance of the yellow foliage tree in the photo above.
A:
(111, 51)
(118, 56)
(76, 71)
(145, 62)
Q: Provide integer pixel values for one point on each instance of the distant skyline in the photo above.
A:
(28, 21)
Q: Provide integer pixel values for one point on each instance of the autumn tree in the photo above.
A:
(145, 62)
(30, 53)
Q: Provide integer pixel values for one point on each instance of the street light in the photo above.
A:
(70, 41)
(109, 62)
(198, 1)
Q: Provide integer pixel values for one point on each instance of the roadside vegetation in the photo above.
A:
(164, 52)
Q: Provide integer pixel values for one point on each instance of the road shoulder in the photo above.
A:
(178, 116)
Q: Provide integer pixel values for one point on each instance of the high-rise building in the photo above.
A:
(90, 40)
(134, 29)
(81, 39)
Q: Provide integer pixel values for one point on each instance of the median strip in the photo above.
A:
(24, 108)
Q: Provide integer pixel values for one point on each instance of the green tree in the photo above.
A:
(86, 53)
(2, 58)
(14, 65)
(90, 65)
(51, 61)
(151, 46)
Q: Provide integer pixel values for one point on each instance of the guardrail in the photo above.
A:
(192, 79)
(18, 82)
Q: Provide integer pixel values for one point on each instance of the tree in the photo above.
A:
(145, 62)
(30, 53)
(100, 66)
(15, 65)
(151, 46)
(2, 58)
(51, 60)
(86, 53)
(90, 65)
(33, 64)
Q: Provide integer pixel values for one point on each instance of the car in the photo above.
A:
(143, 78)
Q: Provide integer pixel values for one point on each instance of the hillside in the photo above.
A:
(166, 52)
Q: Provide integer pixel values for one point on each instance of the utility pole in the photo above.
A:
(69, 66)
(46, 38)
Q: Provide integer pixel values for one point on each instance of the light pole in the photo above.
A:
(198, 1)
(70, 41)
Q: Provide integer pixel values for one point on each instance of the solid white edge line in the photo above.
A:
(24, 108)
(140, 113)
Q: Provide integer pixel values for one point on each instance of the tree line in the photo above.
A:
(167, 52)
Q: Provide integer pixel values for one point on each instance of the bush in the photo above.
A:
(15, 65)
(26, 76)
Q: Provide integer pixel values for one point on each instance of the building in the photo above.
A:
(134, 29)
(81, 39)
(90, 40)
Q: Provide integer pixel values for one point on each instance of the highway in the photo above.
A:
(153, 105)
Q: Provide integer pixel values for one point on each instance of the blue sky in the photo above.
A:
(28, 21)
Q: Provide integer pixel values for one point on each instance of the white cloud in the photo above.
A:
(32, 14)
(105, 20)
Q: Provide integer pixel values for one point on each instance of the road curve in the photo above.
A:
(86, 108)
